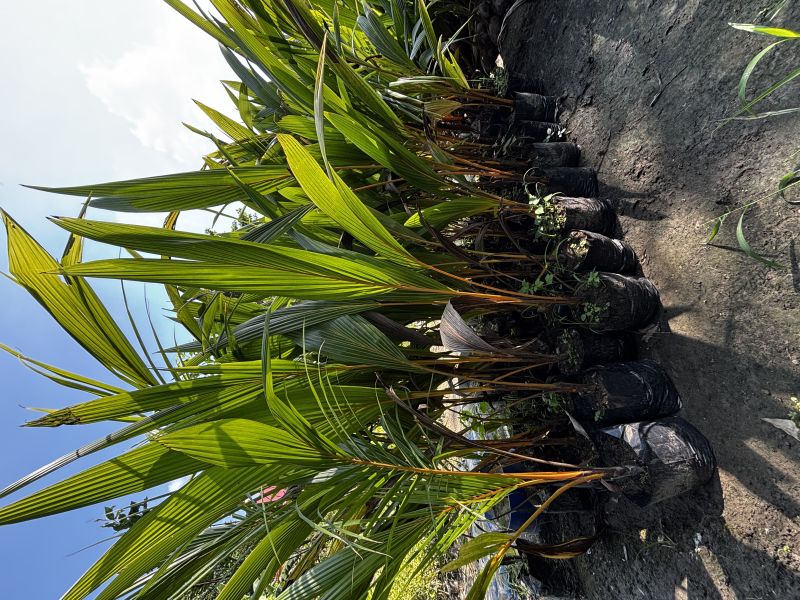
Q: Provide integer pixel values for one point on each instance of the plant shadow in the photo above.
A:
(666, 165)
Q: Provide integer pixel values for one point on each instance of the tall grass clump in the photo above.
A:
(751, 109)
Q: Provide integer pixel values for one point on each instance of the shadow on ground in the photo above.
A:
(645, 84)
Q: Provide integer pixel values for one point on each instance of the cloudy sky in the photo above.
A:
(92, 91)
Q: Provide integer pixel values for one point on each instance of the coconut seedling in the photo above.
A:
(329, 331)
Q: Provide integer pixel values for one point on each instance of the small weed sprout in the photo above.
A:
(547, 215)
(554, 402)
(567, 342)
(591, 313)
(499, 82)
(538, 285)
(579, 247)
(591, 279)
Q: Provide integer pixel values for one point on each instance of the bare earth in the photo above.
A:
(645, 83)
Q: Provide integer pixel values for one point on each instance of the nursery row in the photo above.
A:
(408, 241)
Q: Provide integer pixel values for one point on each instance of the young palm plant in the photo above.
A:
(751, 109)
(330, 331)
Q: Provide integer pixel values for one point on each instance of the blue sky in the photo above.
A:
(93, 91)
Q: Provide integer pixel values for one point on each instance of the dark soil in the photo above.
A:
(644, 84)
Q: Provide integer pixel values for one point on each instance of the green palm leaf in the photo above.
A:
(339, 202)
(131, 472)
(74, 305)
(182, 191)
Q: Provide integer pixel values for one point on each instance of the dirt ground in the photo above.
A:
(644, 84)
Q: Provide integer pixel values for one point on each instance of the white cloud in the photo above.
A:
(151, 86)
